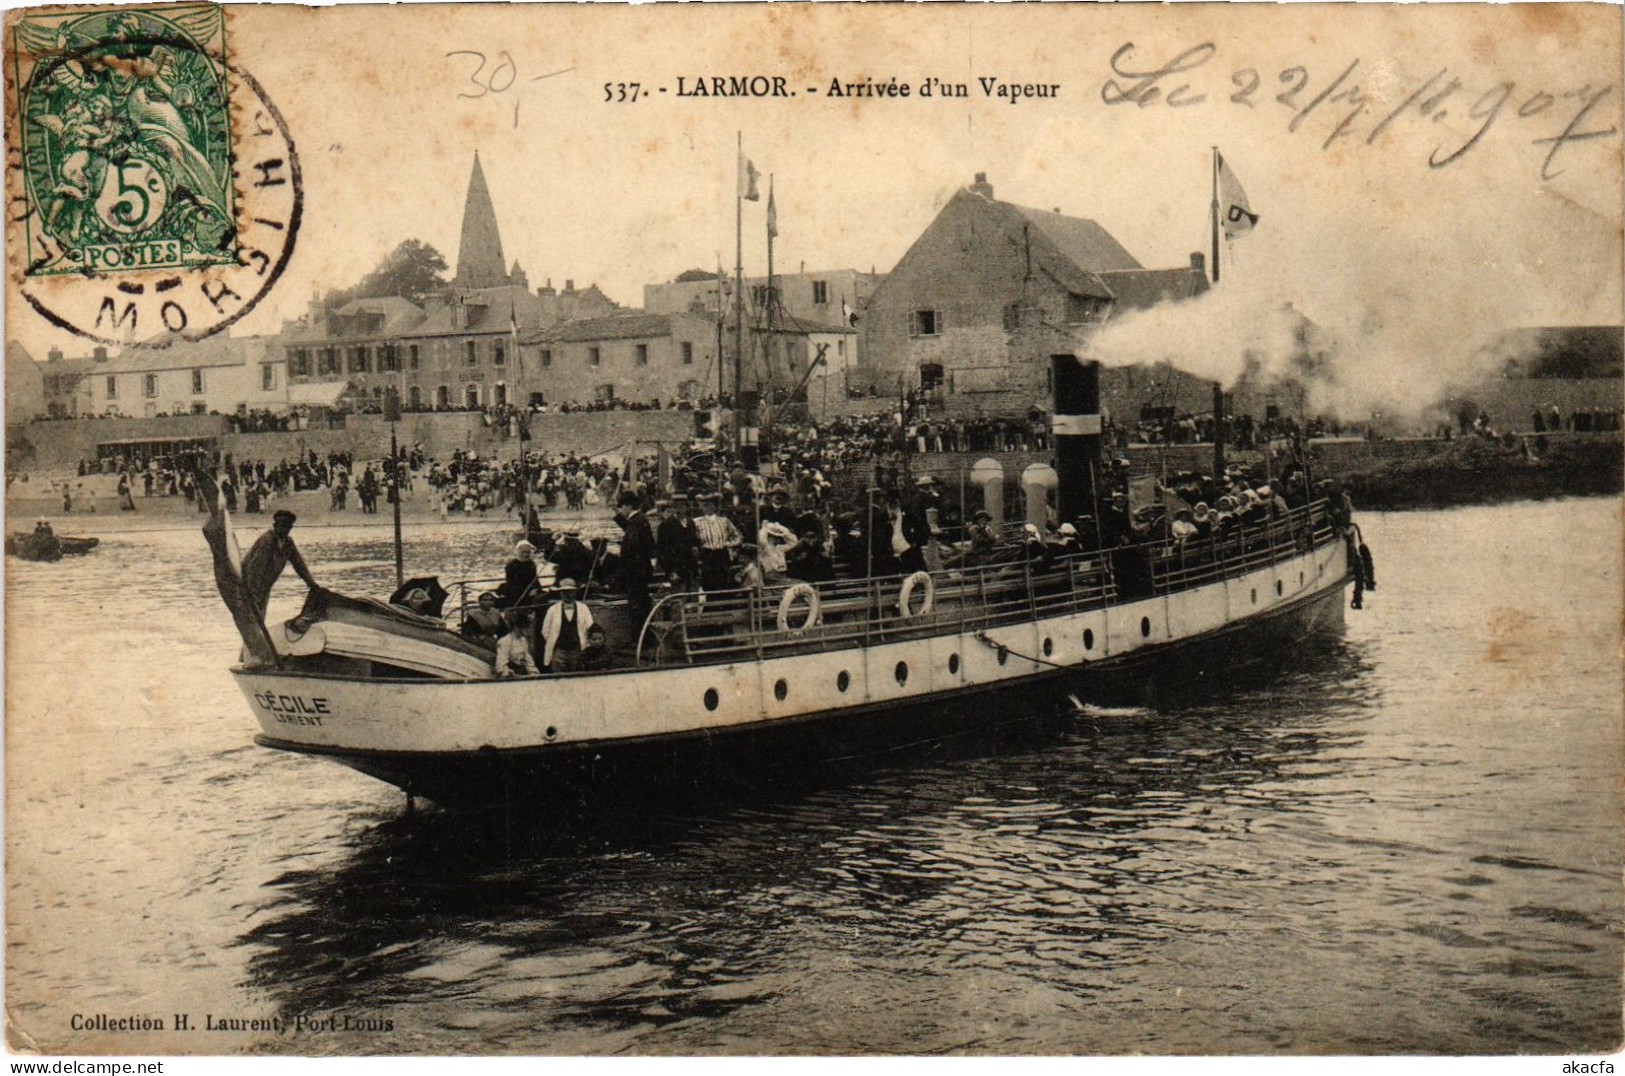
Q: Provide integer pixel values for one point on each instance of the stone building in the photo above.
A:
(989, 290)
(219, 374)
(67, 382)
(452, 350)
(829, 297)
(25, 385)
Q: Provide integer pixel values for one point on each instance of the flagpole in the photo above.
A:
(739, 298)
(1215, 214)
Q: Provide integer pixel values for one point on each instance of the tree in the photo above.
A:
(411, 271)
(689, 276)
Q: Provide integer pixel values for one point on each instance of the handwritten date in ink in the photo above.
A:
(1176, 83)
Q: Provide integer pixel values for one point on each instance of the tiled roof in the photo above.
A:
(173, 353)
(613, 327)
(789, 323)
(1085, 243)
(1143, 288)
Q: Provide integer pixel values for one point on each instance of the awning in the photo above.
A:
(317, 393)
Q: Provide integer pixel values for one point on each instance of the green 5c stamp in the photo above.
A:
(126, 139)
(153, 190)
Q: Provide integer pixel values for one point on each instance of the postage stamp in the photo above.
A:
(126, 139)
(153, 190)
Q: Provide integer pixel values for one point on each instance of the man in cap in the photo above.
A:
(572, 557)
(675, 544)
(918, 527)
(717, 538)
(564, 630)
(637, 554)
(984, 536)
(271, 552)
(519, 582)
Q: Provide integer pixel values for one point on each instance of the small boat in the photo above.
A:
(43, 544)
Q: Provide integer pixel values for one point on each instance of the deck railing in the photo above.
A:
(745, 624)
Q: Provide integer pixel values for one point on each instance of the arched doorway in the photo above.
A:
(471, 397)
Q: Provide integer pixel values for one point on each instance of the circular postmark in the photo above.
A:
(153, 189)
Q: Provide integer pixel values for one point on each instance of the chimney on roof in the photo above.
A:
(982, 186)
(569, 286)
(99, 354)
(54, 355)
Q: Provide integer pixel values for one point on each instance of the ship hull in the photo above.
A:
(776, 721)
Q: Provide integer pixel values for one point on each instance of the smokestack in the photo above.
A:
(1218, 429)
(1076, 426)
(1199, 263)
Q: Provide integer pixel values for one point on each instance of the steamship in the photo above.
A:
(730, 684)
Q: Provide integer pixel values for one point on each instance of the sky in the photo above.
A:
(1405, 262)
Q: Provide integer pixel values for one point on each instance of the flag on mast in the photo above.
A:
(1236, 216)
(772, 214)
(748, 175)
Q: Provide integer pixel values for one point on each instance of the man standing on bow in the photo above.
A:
(272, 552)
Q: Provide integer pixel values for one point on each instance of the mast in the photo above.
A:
(739, 292)
(1215, 214)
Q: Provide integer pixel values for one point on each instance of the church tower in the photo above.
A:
(479, 254)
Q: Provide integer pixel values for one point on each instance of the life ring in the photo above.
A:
(905, 597)
(786, 603)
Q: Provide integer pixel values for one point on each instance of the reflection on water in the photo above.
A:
(1405, 841)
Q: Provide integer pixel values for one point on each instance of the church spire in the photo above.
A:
(479, 254)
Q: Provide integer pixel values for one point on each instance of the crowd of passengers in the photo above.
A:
(733, 538)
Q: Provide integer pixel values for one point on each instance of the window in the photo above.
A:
(547, 356)
(328, 361)
(472, 351)
(499, 354)
(197, 382)
(298, 362)
(442, 397)
(925, 323)
(1081, 309)
(358, 360)
(199, 407)
(388, 358)
(594, 357)
(1012, 317)
(641, 354)
(604, 393)
(267, 377)
(149, 385)
(820, 292)
(414, 395)
(471, 396)
(688, 353)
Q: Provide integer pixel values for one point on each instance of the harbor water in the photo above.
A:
(1406, 841)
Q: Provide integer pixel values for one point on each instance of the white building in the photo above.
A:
(219, 375)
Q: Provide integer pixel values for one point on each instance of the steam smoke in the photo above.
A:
(1391, 330)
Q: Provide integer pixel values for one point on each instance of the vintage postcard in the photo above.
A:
(824, 529)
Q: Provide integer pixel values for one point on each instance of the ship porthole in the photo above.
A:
(1145, 627)
(1004, 655)
(552, 733)
(843, 681)
(1255, 595)
(902, 673)
(712, 699)
(1088, 639)
(1277, 588)
(780, 690)
(953, 664)
(1049, 647)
